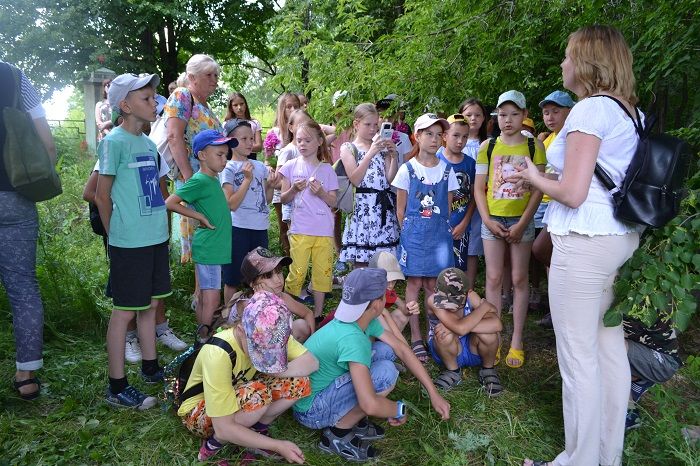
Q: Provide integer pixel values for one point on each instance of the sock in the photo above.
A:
(456, 371)
(149, 366)
(340, 432)
(116, 386)
(363, 423)
(212, 444)
(484, 367)
(162, 328)
(131, 334)
(260, 428)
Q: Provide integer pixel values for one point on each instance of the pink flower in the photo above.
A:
(395, 137)
(271, 142)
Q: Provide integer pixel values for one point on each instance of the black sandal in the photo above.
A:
(28, 396)
(448, 380)
(490, 381)
(370, 431)
(419, 350)
(348, 447)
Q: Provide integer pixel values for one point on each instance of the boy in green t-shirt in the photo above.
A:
(507, 213)
(355, 376)
(211, 246)
(133, 212)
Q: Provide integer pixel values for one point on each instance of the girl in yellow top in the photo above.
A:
(507, 214)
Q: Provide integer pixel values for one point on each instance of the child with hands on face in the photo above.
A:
(371, 163)
(248, 186)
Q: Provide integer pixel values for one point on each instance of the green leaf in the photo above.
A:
(612, 318)
(659, 301)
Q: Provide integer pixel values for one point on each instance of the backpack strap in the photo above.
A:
(489, 150)
(637, 122)
(196, 389)
(531, 147)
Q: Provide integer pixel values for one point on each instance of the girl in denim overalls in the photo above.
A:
(425, 184)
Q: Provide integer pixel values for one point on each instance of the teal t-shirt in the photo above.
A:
(139, 215)
(204, 193)
(335, 345)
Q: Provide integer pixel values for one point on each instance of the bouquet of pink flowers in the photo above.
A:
(271, 142)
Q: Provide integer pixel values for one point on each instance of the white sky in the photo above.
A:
(57, 106)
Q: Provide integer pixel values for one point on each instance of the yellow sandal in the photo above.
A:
(517, 355)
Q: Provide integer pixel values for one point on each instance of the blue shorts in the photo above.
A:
(539, 214)
(243, 240)
(331, 404)
(528, 234)
(465, 358)
(209, 276)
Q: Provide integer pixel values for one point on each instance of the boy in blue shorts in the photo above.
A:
(211, 246)
(355, 376)
(133, 212)
(463, 205)
(463, 332)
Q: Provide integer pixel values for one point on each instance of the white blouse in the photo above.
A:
(604, 119)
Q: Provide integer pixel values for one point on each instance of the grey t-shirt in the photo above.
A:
(253, 213)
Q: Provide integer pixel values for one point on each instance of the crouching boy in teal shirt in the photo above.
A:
(355, 376)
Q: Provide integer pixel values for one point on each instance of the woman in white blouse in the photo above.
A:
(590, 244)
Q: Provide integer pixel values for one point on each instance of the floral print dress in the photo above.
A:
(372, 226)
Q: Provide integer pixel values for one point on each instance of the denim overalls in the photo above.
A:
(426, 238)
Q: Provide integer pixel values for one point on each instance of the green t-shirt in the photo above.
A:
(204, 193)
(139, 216)
(335, 345)
(501, 197)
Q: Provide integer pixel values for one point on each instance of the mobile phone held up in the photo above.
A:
(386, 131)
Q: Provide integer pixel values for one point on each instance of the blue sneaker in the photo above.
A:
(155, 378)
(130, 398)
(632, 420)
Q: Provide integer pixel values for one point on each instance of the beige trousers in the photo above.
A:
(592, 358)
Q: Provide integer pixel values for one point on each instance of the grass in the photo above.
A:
(71, 425)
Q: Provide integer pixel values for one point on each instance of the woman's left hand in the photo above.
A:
(522, 179)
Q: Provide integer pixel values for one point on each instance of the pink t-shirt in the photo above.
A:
(310, 215)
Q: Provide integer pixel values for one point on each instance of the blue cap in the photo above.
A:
(560, 98)
(211, 137)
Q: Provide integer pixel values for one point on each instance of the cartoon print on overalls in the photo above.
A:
(427, 204)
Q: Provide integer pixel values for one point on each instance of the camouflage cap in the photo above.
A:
(450, 289)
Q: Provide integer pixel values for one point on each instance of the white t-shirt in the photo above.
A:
(604, 119)
(430, 175)
(289, 152)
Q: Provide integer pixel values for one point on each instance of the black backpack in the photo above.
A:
(178, 372)
(652, 189)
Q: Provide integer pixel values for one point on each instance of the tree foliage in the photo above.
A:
(434, 54)
(57, 42)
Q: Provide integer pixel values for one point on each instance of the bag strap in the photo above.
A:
(489, 150)
(17, 77)
(196, 389)
(638, 126)
(531, 147)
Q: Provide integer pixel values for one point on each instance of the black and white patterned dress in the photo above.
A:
(372, 226)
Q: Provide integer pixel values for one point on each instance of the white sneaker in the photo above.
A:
(169, 339)
(132, 352)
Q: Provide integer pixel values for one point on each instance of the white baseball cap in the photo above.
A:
(387, 261)
(512, 96)
(429, 119)
(125, 83)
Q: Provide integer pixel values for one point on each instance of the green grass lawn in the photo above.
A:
(70, 424)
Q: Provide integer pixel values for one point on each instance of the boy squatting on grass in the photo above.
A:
(133, 212)
(355, 376)
(241, 412)
(211, 245)
(463, 332)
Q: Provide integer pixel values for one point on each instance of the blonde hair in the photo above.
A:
(281, 118)
(324, 153)
(202, 64)
(602, 62)
(363, 110)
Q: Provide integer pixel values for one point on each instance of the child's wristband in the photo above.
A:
(400, 410)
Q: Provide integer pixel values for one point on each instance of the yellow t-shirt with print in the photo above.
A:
(548, 140)
(213, 368)
(501, 197)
